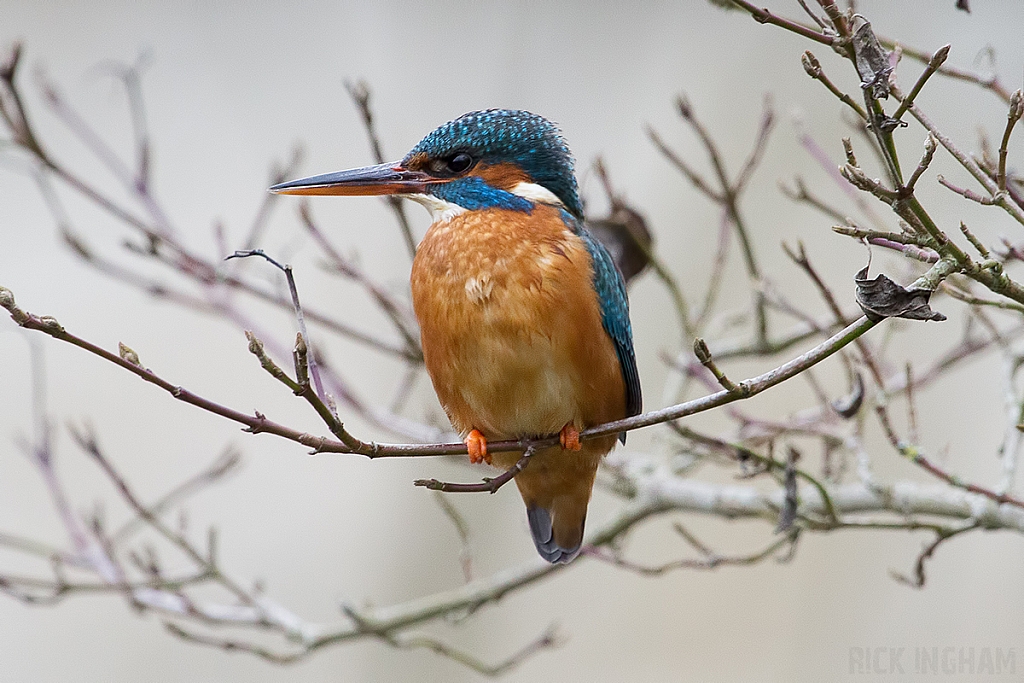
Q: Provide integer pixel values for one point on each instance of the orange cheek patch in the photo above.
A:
(502, 176)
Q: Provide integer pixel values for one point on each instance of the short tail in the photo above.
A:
(556, 488)
(558, 540)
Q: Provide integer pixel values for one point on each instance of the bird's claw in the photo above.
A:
(476, 444)
(569, 437)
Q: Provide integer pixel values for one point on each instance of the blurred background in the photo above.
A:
(229, 88)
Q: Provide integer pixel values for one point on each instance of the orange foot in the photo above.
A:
(569, 437)
(477, 445)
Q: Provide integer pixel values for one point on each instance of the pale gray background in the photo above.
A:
(232, 86)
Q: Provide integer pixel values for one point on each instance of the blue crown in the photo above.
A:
(527, 140)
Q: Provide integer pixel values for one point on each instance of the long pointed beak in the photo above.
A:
(370, 180)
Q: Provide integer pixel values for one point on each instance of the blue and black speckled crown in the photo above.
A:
(512, 136)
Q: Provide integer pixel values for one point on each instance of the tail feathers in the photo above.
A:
(556, 489)
(556, 545)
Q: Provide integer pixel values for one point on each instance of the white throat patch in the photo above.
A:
(440, 210)
(536, 193)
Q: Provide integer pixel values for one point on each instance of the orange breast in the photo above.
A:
(511, 325)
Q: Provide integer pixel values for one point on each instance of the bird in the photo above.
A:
(523, 314)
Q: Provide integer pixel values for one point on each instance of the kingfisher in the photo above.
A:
(523, 315)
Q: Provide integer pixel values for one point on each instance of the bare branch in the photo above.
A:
(360, 94)
(763, 16)
(488, 485)
(1012, 117)
(349, 444)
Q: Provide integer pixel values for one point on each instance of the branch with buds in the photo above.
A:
(799, 494)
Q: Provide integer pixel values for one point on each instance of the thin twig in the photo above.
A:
(987, 82)
(912, 453)
(965, 192)
(398, 312)
(360, 94)
(867, 354)
(934, 63)
(226, 463)
(703, 354)
(813, 68)
(462, 528)
(86, 440)
(941, 536)
(349, 444)
(763, 16)
(1012, 117)
(728, 194)
(972, 167)
(489, 484)
(314, 371)
(710, 560)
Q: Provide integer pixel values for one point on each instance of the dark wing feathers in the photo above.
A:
(611, 292)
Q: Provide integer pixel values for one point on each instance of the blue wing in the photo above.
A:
(611, 292)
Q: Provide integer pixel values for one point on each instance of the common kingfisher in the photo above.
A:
(523, 314)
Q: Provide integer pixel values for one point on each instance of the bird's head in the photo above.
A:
(495, 158)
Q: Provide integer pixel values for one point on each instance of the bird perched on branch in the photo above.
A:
(523, 314)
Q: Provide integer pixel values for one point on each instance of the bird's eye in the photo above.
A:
(459, 163)
(450, 166)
